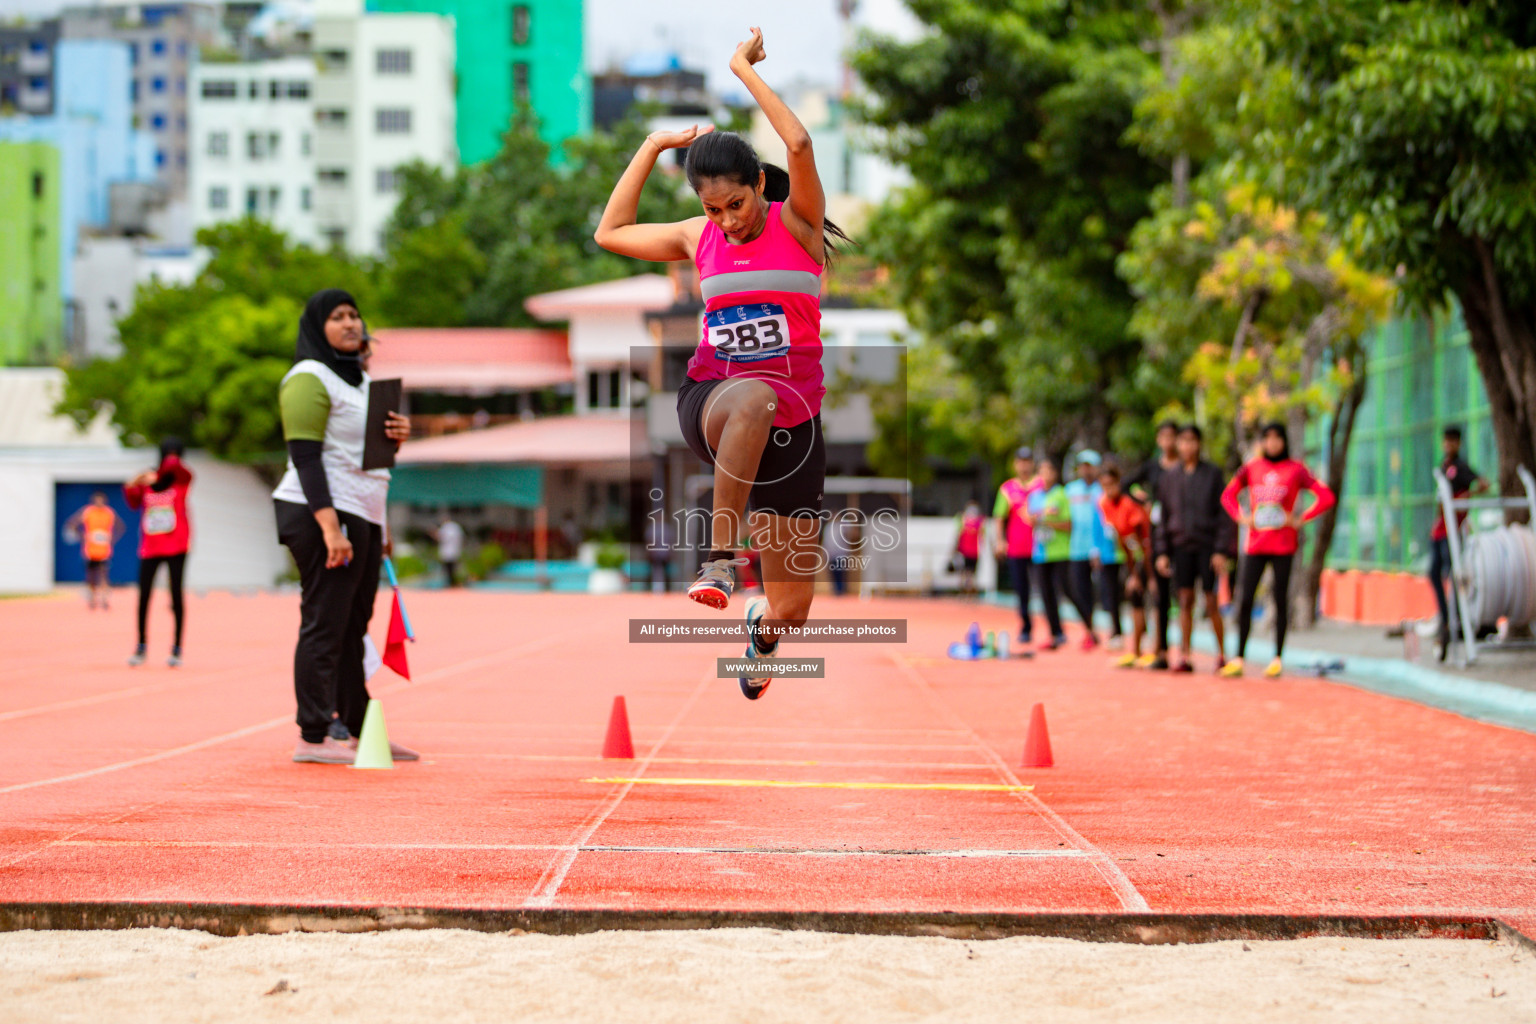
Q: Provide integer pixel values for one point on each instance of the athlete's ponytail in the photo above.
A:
(728, 155)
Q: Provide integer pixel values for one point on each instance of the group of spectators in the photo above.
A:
(1173, 527)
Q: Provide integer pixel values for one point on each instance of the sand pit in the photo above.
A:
(747, 975)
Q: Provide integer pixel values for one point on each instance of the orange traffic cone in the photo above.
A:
(1037, 745)
(617, 743)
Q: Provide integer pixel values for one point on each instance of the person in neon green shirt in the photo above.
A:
(1051, 511)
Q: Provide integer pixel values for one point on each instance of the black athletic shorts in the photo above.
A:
(793, 469)
(1194, 563)
(96, 571)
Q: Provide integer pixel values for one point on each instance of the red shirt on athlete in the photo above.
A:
(1273, 488)
(164, 529)
(1132, 525)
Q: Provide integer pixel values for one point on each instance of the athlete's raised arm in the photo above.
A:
(806, 210)
(618, 232)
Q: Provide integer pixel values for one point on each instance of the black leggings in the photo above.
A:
(1054, 584)
(1253, 571)
(1112, 594)
(1020, 568)
(148, 567)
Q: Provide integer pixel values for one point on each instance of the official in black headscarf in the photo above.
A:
(331, 516)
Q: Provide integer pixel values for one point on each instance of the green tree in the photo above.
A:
(1011, 117)
(515, 226)
(1412, 125)
(203, 361)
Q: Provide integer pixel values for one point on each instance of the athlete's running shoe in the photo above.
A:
(1232, 669)
(1146, 660)
(1273, 670)
(1159, 663)
(755, 685)
(137, 658)
(1125, 661)
(327, 751)
(1184, 666)
(716, 581)
(1090, 642)
(174, 661)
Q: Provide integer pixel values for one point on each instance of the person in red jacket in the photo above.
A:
(165, 533)
(1274, 482)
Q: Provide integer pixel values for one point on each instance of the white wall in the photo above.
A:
(286, 173)
(357, 208)
(107, 272)
(234, 541)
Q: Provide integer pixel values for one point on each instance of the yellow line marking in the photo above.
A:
(967, 787)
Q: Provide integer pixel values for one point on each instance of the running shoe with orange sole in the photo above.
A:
(716, 582)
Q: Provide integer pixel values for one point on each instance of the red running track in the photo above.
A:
(1171, 793)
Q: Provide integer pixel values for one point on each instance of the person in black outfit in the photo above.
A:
(1142, 485)
(1194, 539)
(1464, 482)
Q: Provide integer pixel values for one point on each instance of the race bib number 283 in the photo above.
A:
(748, 334)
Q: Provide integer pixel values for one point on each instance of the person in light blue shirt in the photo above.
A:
(1088, 531)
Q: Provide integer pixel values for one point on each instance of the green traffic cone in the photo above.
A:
(373, 744)
(989, 650)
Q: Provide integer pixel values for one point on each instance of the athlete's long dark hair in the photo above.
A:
(728, 155)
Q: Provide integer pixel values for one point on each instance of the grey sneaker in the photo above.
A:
(327, 751)
(755, 685)
(174, 661)
(716, 581)
(138, 657)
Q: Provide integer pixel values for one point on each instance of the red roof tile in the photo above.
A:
(553, 439)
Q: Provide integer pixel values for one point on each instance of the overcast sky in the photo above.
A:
(803, 37)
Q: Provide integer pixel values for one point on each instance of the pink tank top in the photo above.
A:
(762, 316)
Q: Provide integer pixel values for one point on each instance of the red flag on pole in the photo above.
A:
(394, 643)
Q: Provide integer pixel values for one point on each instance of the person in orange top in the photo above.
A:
(1125, 517)
(97, 529)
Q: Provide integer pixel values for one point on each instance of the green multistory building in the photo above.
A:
(1422, 376)
(31, 306)
(512, 53)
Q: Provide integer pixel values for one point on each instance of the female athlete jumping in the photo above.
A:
(752, 402)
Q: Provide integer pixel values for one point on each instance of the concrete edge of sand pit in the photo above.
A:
(234, 919)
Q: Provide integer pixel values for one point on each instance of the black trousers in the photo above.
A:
(175, 567)
(334, 610)
(1252, 573)
(1056, 583)
(1112, 594)
(1020, 569)
(1439, 573)
(1164, 607)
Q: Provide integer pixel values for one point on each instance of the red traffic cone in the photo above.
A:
(617, 743)
(1037, 745)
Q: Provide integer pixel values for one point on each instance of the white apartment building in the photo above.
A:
(252, 135)
(384, 96)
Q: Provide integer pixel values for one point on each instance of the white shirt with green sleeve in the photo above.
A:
(317, 405)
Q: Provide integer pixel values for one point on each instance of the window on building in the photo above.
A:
(157, 122)
(273, 197)
(274, 90)
(336, 238)
(298, 90)
(331, 118)
(254, 92)
(218, 143)
(255, 145)
(159, 158)
(332, 176)
(522, 19)
(522, 76)
(392, 120)
(39, 185)
(220, 89)
(304, 143)
(157, 84)
(37, 45)
(253, 200)
(133, 91)
(37, 84)
(157, 47)
(333, 60)
(384, 180)
(393, 62)
(305, 198)
(133, 55)
(274, 141)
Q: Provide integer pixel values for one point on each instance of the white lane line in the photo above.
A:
(1130, 899)
(111, 695)
(548, 885)
(755, 851)
(765, 762)
(212, 741)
